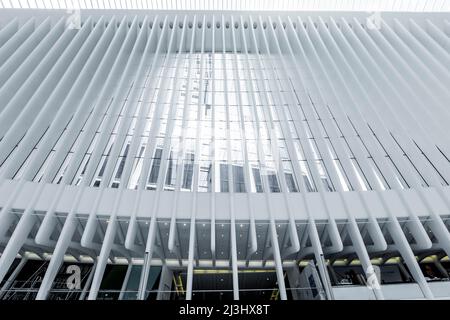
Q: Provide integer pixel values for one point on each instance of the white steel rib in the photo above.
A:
(223, 140)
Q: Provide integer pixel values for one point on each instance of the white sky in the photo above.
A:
(341, 5)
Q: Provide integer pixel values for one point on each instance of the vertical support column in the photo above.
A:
(440, 267)
(192, 238)
(407, 254)
(102, 261)
(147, 259)
(272, 233)
(110, 234)
(162, 170)
(233, 244)
(278, 261)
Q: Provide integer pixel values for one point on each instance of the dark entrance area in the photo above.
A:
(217, 285)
